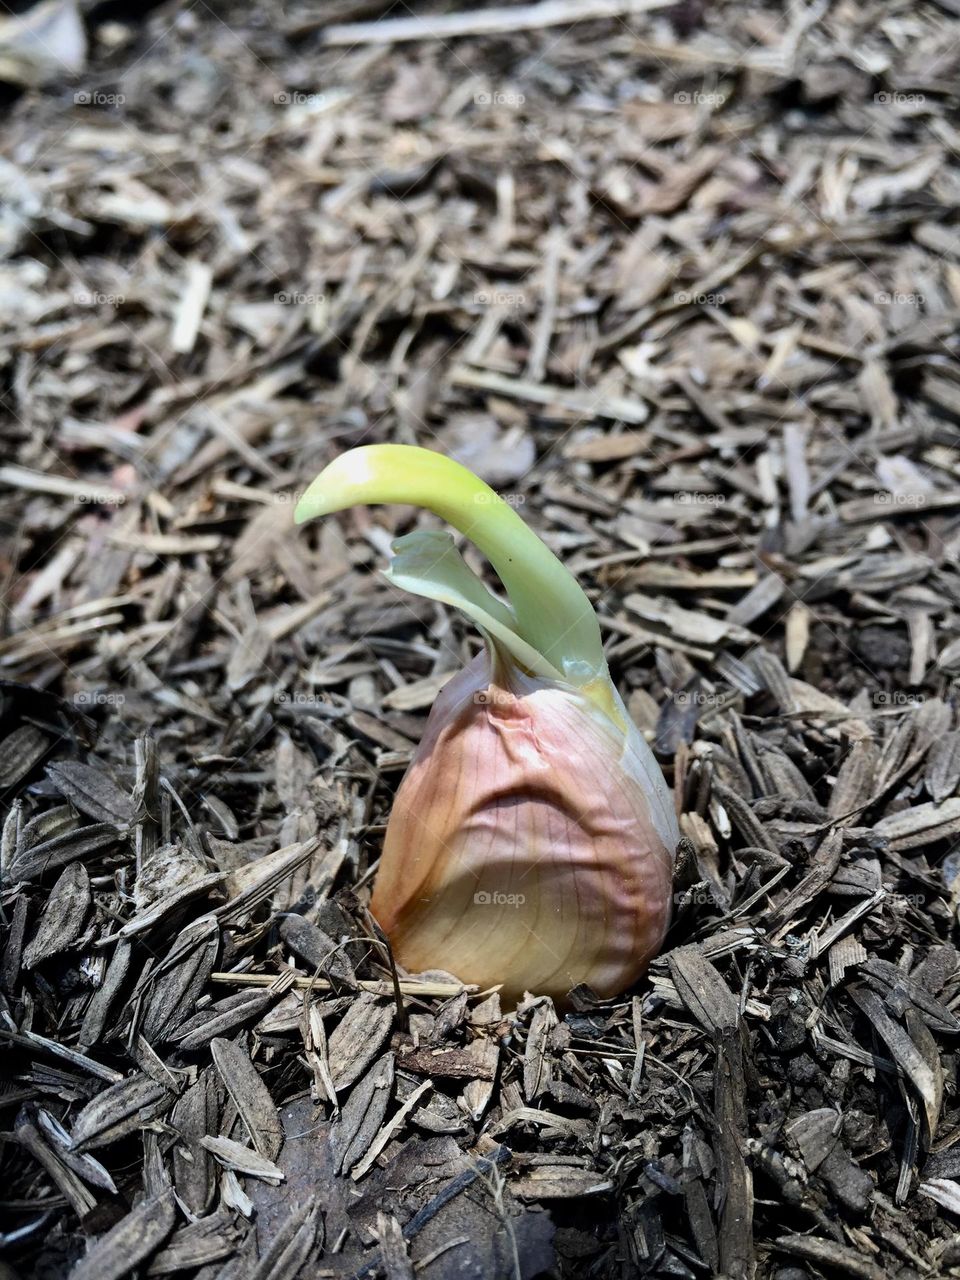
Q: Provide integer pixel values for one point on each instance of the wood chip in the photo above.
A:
(358, 1038)
(921, 825)
(130, 1242)
(122, 1109)
(250, 1096)
(63, 917)
(240, 1159)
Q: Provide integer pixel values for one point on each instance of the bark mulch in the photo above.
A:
(684, 282)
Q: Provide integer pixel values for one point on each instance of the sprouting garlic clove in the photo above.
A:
(531, 842)
(520, 849)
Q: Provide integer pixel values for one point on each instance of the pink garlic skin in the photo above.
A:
(521, 848)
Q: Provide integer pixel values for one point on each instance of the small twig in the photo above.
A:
(301, 983)
(528, 17)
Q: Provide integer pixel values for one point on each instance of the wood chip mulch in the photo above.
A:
(683, 281)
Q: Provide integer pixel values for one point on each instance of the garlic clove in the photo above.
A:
(521, 849)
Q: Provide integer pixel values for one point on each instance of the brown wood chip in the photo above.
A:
(175, 985)
(298, 1236)
(195, 1117)
(235, 1156)
(702, 990)
(250, 1096)
(558, 1182)
(120, 1110)
(63, 917)
(924, 1074)
(358, 1037)
(943, 767)
(130, 1242)
(224, 1018)
(827, 1253)
(20, 751)
(90, 789)
(362, 1115)
(921, 825)
(393, 1248)
(48, 855)
(198, 1243)
(476, 1062)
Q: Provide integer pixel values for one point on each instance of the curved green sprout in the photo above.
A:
(549, 626)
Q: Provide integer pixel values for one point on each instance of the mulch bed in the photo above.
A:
(684, 283)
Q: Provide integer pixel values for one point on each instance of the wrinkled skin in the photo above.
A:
(522, 848)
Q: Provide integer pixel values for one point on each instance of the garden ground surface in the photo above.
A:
(682, 281)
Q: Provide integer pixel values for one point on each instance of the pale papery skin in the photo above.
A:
(521, 848)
